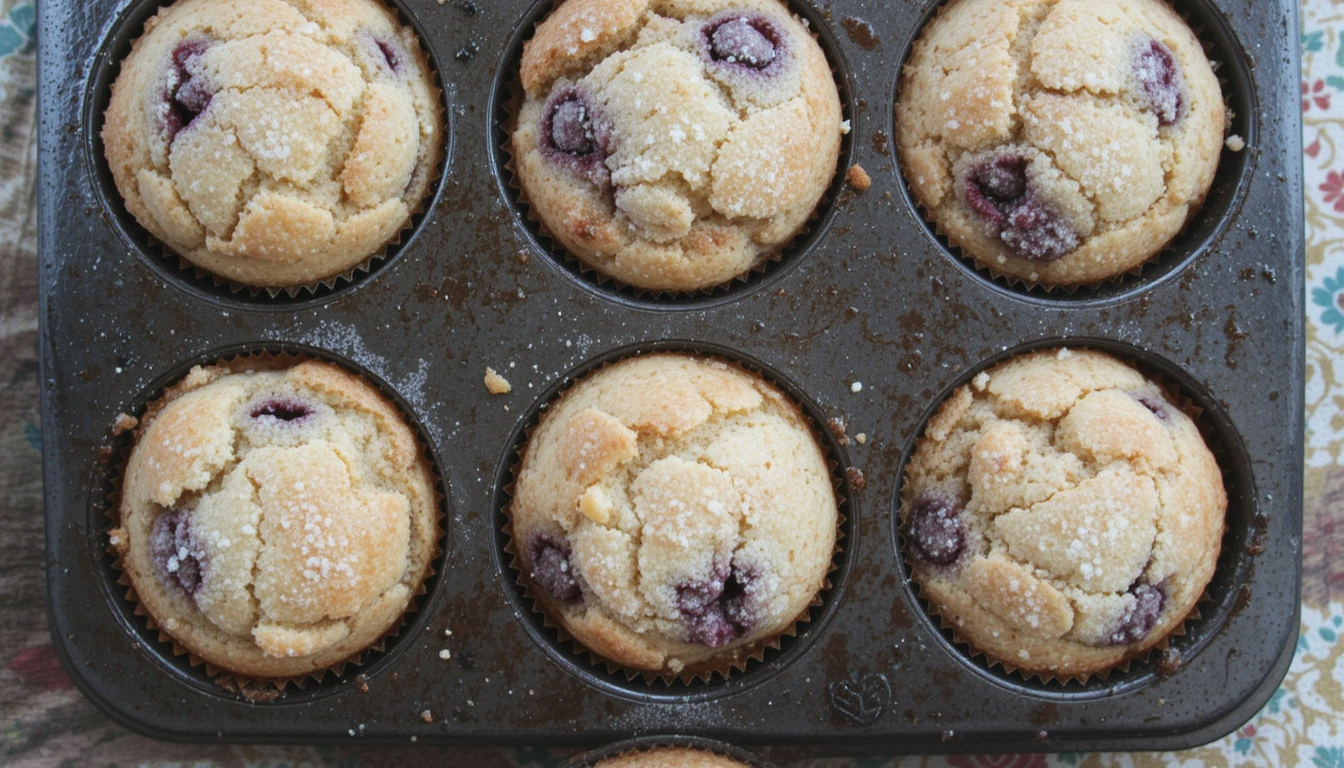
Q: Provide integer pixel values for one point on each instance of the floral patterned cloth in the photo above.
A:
(45, 721)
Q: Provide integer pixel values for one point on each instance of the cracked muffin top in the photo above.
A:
(276, 523)
(274, 143)
(670, 757)
(672, 511)
(1062, 142)
(675, 144)
(1061, 514)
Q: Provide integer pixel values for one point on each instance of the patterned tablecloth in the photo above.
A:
(45, 721)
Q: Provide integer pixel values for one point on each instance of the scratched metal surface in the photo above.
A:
(871, 297)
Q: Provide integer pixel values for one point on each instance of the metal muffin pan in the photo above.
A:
(870, 296)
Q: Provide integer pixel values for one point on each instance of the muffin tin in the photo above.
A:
(870, 318)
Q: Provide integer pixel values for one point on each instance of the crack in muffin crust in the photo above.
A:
(671, 511)
(1108, 112)
(275, 144)
(1061, 514)
(674, 145)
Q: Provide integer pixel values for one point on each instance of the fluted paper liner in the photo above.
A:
(259, 689)
(506, 123)
(739, 657)
(1174, 396)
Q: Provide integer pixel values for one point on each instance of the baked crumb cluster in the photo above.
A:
(673, 145)
(1061, 513)
(672, 509)
(274, 144)
(1059, 141)
(276, 523)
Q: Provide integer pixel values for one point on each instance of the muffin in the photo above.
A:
(274, 144)
(675, 145)
(1061, 142)
(1062, 514)
(673, 514)
(276, 523)
(670, 757)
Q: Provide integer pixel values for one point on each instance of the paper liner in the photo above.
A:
(357, 272)
(707, 670)
(594, 758)
(1175, 396)
(797, 243)
(1166, 257)
(261, 689)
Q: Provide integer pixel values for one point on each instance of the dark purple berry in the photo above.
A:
(936, 529)
(575, 134)
(281, 409)
(571, 130)
(552, 570)
(1035, 232)
(750, 42)
(720, 609)
(1155, 404)
(994, 188)
(176, 557)
(1004, 180)
(1160, 81)
(1140, 618)
(1000, 193)
(389, 55)
(187, 95)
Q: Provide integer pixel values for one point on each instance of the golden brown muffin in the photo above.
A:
(673, 511)
(674, 145)
(670, 757)
(1062, 142)
(1062, 514)
(275, 144)
(276, 523)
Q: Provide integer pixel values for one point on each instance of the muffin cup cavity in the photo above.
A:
(172, 267)
(1205, 618)
(594, 758)
(699, 681)
(1206, 224)
(506, 103)
(154, 638)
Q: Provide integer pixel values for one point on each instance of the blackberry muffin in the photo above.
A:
(1061, 142)
(675, 145)
(275, 523)
(1061, 514)
(670, 757)
(274, 144)
(673, 514)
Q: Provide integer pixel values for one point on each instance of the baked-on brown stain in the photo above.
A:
(861, 32)
(881, 143)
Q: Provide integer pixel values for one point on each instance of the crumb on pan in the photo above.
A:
(1235, 143)
(498, 385)
(858, 178)
(124, 423)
